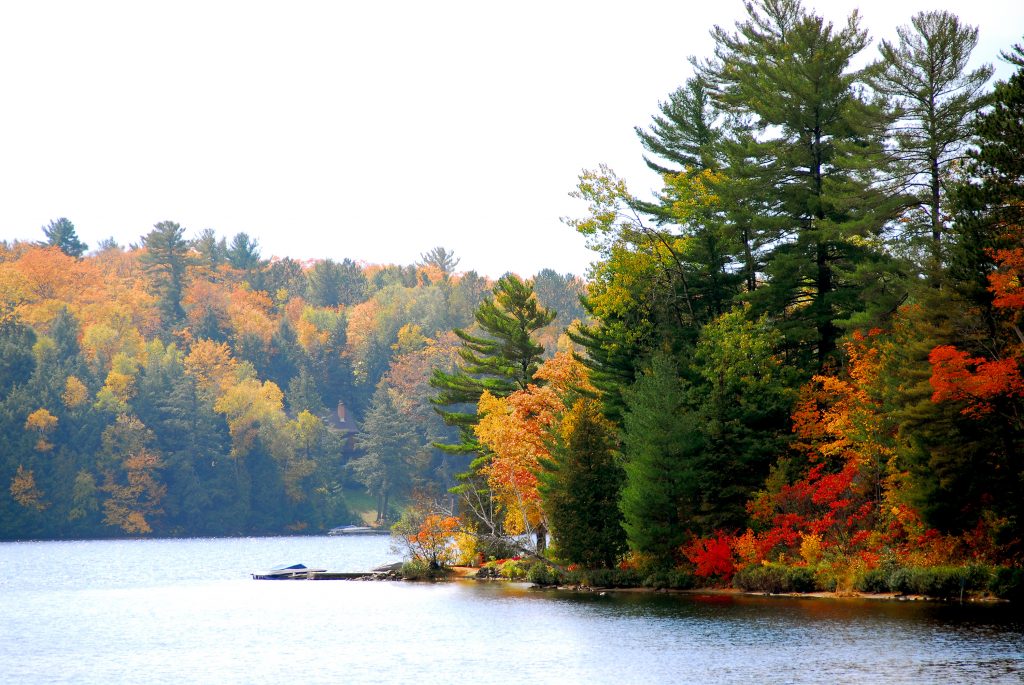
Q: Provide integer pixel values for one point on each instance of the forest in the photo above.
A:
(798, 365)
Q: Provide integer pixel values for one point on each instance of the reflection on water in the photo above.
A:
(185, 611)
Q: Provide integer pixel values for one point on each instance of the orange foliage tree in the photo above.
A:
(848, 506)
(516, 429)
(984, 383)
(434, 542)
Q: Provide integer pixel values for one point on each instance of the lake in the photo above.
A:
(183, 611)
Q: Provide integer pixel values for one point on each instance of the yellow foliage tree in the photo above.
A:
(75, 393)
(41, 421)
(253, 411)
(211, 365)
(137, 497)
(24, 490)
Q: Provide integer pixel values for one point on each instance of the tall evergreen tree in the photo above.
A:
(816, 143)
(501, 359)
(166, 261)
(580, 488)
(244, 253)
(660, 436)
(212, 252)
(937, 98)
(390, 446)
(61, 234)
(685, 134)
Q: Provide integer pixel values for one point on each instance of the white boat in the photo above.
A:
(356, 530)
(288, 572)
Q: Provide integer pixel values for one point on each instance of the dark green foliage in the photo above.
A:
(330, 284)
(500, 359)
(743, 397)
(816, 147)
(968, 470)
(244, 253)
(390, 446)
(61, 234)
(542, 574)
(303, 395)
(926, 76)
(580, 487)
(685, 133)
(1008, 583)
(560, 294)
(166, 260)
(284, 275)
(672, 579)
(774, 578)
(660, 437)
(940, 582)
(16, 360)
(212, 252)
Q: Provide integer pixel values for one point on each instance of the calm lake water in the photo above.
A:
(183, 611)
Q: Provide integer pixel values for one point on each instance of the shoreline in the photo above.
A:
(465, 573)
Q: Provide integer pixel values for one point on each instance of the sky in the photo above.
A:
(373, 131)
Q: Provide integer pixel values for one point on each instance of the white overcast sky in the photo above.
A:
(368, 130)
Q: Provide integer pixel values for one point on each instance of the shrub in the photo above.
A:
(543, 574)
(513, 569)
(676, 579)
(875, 580)
(1007, 583)
(420, 569)
(775, 578)
(941, 582)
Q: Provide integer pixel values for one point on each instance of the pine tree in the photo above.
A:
(61, 234)
(580, 488)
(685, 134)
(660, 435)
(501, 359)
(166, 261)
(816, 147)
(937, 98)
(389, 446)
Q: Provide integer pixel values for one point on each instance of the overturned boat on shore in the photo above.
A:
(357, 530)
(288, 572)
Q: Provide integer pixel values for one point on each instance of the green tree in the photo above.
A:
(166, 260)
(660, 436)
(331, 284)
(926, 76)
(685, 134)
(61, 234)
(16, 359)
(244, 253)
(212, 252)
(580, 487)
(967, 469)
(816, 146)
(389, 446)
(743, 396)
(501, 359)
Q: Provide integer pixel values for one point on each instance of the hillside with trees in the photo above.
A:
(798, 365)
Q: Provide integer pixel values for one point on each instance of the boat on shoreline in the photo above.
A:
(357, 530)
(288, 572)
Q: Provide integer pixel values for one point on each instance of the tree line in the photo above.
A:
(189, 386)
